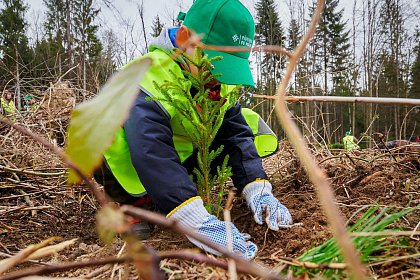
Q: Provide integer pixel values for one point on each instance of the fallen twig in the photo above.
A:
(25, 209)
(242, 267)
(23, 255)
(294, 262)
(29, 172)
(226, 215)
(370, 177)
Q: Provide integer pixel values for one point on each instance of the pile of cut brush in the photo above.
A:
(377, 191)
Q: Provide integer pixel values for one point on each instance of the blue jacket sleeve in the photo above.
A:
(149, 137)
(238, 141)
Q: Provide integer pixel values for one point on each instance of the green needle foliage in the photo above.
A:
(203, 118)
(371, 248)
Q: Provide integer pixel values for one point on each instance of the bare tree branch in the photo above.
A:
(317, 176)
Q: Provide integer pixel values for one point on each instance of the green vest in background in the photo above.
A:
(8, 107)
(163, 68)
(265, 139)
(348, 142)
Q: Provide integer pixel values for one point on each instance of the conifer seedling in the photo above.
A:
(203, 118)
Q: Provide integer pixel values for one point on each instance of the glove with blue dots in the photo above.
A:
(262, 202)
(193, 214)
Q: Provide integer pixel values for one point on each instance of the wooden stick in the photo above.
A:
(226, 214)
(294, 262)
(29, 172)
(377, 100)
(182, 255)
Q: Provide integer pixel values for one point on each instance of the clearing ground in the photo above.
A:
(35, 204)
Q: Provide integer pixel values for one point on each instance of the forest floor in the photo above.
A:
(35, 204)
(34, 209)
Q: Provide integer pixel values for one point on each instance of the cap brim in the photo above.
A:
(234, 70)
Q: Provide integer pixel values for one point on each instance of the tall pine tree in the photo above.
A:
(415, 71)
(390, 73)
(50, 56)
(331, 61)
(86, 43)
(14, 48)
(268, 31)
(331, 48)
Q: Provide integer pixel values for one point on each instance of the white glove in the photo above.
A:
(261, 201)
(193, 214)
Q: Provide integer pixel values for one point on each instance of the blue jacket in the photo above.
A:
(166, 180)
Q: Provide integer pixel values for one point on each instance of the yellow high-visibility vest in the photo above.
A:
(348, 142)
(164, 68)
(8, 107)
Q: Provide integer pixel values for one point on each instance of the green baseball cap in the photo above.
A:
(28, 97)
(225, 23)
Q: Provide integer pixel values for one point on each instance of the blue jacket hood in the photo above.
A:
(165, 40)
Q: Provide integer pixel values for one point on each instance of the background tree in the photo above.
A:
(331, 60)
(56, 30)
(14, 47)
(86, 42)
(415, 70)
(414, 91)
(157, 26)
(268, 31)
(390, 72)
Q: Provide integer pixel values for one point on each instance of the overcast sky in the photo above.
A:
(127, 9)
(111, 16)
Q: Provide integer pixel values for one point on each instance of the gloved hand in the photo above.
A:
(262, 202)
(193, 214)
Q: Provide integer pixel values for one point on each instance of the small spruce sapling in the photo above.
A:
(203, 118)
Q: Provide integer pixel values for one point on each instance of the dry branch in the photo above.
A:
(242, 267)
(294, 262)
(316, 175)
(61, 267)
(30, 172)
(24, 255)
(59, 152)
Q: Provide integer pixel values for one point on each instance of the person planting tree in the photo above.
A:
(149, 163)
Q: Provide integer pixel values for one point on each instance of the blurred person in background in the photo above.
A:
(349, 142)
(7, 104)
